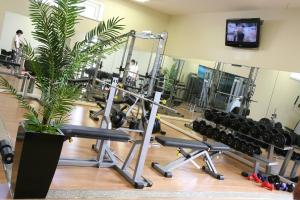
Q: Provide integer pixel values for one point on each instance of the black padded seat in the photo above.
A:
(81, 80)
(181, 143)
(191, 144)
(5, 62)
(217, 146)
(99, 98)
(94, 133)
(102, 99)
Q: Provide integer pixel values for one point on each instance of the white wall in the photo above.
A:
(11, 23)
(203, 36)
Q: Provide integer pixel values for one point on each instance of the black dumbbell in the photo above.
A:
(223, 137)
(278, 140)
(278, 125)
(224, 119)
(6, 152)
(250, 150)
(205, 130)
(210, 132)
(231, 118)
(230, 140)
(243, 147)
(289, 138)
(257, 149)
(196, 126)
(237, 143)
(209, 115)
(267, 136)
(236, 124)
(218, 117)
(202, 127)
(244, 128)
(134, 124)
(266, 122)
(216, 134)
(280, 152)
(254, 132)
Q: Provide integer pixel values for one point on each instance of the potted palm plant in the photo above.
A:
(39, 140)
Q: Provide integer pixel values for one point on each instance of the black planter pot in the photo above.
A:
(35, 162)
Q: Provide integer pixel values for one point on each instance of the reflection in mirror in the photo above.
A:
(272, 94)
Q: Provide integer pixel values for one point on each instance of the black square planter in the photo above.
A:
(35, 161)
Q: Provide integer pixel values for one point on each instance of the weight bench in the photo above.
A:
(105, 158)
(204, 149)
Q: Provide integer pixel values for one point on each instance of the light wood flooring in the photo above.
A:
(185, 179)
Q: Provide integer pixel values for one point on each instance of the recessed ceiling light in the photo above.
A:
(295, 76)
(142, 1)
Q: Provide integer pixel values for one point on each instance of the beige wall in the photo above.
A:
(17, 6)
(203, 36)
(285, 93)
(135, 17)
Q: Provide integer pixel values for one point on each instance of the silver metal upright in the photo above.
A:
(129, 55)
(248, 88)
(158, 60)
(146, 141)
(105, 122)
(214, 84)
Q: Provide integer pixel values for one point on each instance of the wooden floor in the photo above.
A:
(185, 179)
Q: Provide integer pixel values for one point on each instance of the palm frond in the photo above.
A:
(4, 84)
(53, 62)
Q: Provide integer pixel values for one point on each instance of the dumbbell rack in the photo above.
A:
(256, 159)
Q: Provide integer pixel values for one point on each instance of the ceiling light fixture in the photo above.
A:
(142, 1)
(295, 76)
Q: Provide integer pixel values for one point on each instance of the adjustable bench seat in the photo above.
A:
(94, 133)
(81, 80)
(191, 144)
(198, 149)
(180, 143)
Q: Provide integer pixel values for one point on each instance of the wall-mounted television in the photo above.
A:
(243, 32)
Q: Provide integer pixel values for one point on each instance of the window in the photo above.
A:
(93, 9)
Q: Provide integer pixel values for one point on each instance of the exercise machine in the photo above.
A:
(128, 51)
(104, 135)
(204, 149)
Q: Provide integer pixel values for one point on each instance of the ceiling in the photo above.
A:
(182, 7)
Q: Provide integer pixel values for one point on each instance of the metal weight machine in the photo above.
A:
(128, 50)
(105, 156)
(242, 88)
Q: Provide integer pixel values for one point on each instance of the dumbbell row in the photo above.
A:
(261, 130)
(234, 142)
(6, 152)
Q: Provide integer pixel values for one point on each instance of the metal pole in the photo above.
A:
(105, 123)
(124, 52)
(157, 61)
(129, 56)
(214, 84)
(245, 99)
(146, 141)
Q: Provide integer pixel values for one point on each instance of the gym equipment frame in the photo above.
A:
(105, 156)
(206, 150)
(132, 36)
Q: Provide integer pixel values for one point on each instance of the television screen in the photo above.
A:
(243, 32)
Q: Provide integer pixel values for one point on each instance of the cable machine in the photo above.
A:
(128, 50)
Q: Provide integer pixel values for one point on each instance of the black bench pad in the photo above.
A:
(191, 144)
(217, 146)
(176, 142)
(94, 133)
